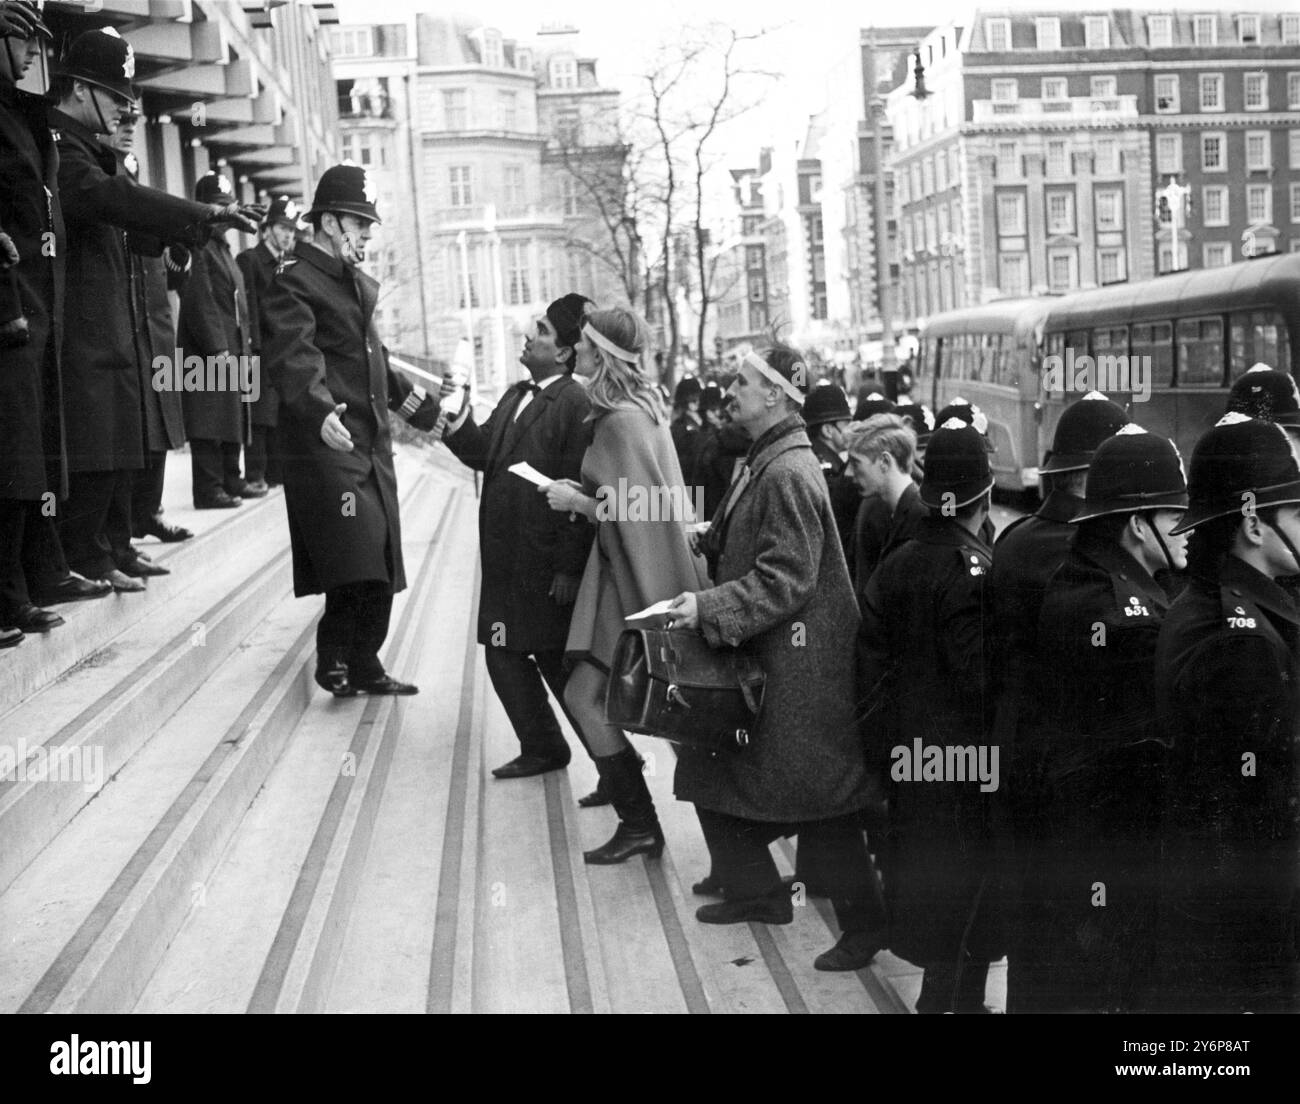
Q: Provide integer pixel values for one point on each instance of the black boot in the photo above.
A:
(638, 827)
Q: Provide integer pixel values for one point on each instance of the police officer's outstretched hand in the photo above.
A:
(242, 216)
(334, 433)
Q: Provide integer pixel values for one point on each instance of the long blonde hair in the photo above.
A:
(616, 384)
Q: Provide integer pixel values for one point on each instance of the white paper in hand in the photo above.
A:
(657, 610)
(527, 471)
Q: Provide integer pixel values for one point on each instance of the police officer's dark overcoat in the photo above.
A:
(102, 403)
(31, 426)
(214, 319)
(322, 349)
(258, 266)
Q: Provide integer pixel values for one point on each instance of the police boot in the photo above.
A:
(638, 827)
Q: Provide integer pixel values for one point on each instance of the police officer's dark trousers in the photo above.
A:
(516, 679)
(84, 520)
(215, 467)
(353, 628)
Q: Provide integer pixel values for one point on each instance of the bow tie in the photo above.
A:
(526, 387)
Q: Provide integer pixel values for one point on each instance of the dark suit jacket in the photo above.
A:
(258, 266)
(524, 544)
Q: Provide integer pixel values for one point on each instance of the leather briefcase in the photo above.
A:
(669, 683)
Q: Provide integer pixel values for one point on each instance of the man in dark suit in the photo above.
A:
(533, 557)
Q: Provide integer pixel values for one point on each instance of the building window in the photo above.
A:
(492, 49)
(954, 167)
(914, 171)
(1167, 92)
(943, 222)
(754, 257)
(1058, 159)
(1106, 156)
(545, 271)
(1211, 91)
(352, 42)
(1212, 153)
(462, 189)
(1104, 88)
(1060, 271)
(564, 72)
(524, 61)
(517, 293)
(903, 199)
(1011, 214)
(508, 110)
(1013, 274)
(1169, 153)
(941, 171)
(1216, 254)
(816, 230)
(568, 128)
(1259, 203)
(569, 194)
(1165, 260)
(1295, 203)
(1256, 91)
(1110, 209)
(513, 180)
(998, 33)
(1096, 32)
(1055, 88)
(756, 289)
(1160, 30)
(1205, 30)
(927, 176)
(1048, 35)
(1060, 212)
(1248, 30)
(1257, 150)
(1214, 201)
(1110, 266)
(1291, 30)
(1008, 160)
(455, 108)
(1005, 91)
(1293, 148)
(1293, 91)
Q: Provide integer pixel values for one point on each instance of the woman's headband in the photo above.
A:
(597, 338)
(773, 376)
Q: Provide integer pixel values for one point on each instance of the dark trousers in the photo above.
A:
(117, 522)
(13, 583)
(147, 492)
(832, 853)
(262, 456)
(948, 988)
(43, 561)
(517, 679)
(84, 529)
(214, 467)
(353, 628)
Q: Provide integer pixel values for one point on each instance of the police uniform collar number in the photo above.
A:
(1246, 595)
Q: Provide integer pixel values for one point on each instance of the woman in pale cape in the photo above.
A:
(641, 553)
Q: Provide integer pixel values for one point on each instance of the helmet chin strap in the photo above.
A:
(1291, 548)
(103, 126)
(1155, 530)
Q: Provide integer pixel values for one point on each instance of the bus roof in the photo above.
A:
(1180, 294)
(1013, 316)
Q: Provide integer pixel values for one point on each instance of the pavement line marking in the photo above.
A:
(566, 900)
(442, 958)
(780, 972)
(678, 946)
(276, 966)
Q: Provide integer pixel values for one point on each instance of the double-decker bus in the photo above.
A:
(1193, 334)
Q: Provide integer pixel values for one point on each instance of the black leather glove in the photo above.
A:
(241, 216)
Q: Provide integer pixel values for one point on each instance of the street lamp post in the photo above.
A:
(1174, 198)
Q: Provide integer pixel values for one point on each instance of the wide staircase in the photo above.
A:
(188, 824)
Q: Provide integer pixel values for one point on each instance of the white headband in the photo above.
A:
(773, 376)
(597, 338)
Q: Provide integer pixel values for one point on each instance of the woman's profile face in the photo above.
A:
(584, 357)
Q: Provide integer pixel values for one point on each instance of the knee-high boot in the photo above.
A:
(638, 827)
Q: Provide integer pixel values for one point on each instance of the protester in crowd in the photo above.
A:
(782, 589)
(687, 425)
(882, 456)
(826, 415)
(154, 270)
(632, 564)
(533, 558)
(336, 389)
(102, 401)
(924, 682)
(215, 324)
(1097, 756)
(722, 449)
(258, 265)
(1226, 682)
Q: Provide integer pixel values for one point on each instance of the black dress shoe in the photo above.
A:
(75, 588)
(854, 951)
(168, 534)
(765, 910)
(247, 490)
(30, 618)
(385, 685)
(10, 638)
(709, 886)
(525, 766)
(141, 568)
(122, 582)
(218, 500)
(334, 678)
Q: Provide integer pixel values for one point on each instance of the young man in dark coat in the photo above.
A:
(102, 401)
(1085, 936)
(1227, 679)
(923, 677)
(533, 557)
(259, 266)
(336, 389)
(882, 455)
(215, 323)
(827, 416)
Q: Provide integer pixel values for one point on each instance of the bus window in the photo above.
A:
(1078, 341)
(1156, 340)
(1009, 358)
(1200, 352)
(1257, 338)
(988, 358)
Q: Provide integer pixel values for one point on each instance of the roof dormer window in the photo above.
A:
(564, 71)
(492, 55)
(1248, 30)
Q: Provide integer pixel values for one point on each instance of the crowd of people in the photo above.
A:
(1074, 746)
